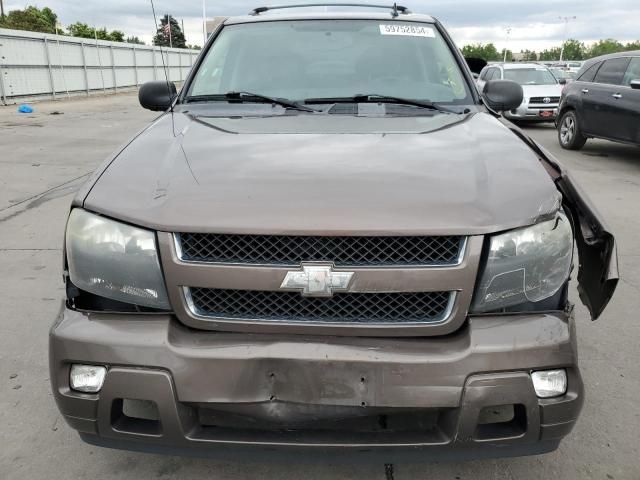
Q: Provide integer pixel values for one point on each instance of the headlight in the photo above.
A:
(525, 265)
(114, 260)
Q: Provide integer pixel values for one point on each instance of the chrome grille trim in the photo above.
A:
(440, 319)
(456, 261)
(459, 279)
(540, 100)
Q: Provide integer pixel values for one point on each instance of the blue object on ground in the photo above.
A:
(25, 108)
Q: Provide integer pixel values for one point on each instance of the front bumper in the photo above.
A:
(218, 394)
(533, 113)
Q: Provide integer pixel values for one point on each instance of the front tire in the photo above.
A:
(569, 134)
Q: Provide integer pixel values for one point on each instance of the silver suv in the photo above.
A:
(541, 89)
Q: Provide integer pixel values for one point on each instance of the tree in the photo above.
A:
(194, 47)
(508, 56)
(603, 47)
(528, 55)
(632, 46)
(177, 37)
(45, 20)
(102, 34)
(116, 36)
(487, 52)
(134, 39)
(574, 50)
(550, 55)
(79, 29)
(32, 19)
(83, 30)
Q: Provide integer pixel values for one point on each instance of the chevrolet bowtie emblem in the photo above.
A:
(317, 280)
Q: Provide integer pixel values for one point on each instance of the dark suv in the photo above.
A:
(329, 242)
(603, 102)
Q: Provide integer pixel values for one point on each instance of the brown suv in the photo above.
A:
(329, 242)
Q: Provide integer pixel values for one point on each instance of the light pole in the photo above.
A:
(204, 23)
(564, 36)
(504, 60)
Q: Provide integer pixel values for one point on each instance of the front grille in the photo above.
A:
(421, 307)
(541, 100)
(342, 251)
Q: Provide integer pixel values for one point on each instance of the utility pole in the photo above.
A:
(1, 9)
(506, 44)
(564, 35)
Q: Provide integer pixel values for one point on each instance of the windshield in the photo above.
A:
(562, 73)
(530, 76)
(297, 60)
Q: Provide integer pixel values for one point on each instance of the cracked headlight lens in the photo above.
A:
(525, 265)
(114, 260)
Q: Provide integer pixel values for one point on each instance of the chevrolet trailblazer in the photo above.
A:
(329, 242)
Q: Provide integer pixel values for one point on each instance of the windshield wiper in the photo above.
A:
(249, 97)
(375, 98)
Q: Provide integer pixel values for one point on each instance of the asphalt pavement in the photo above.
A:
(45, 156)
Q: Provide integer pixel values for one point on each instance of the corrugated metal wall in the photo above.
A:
(42, 65)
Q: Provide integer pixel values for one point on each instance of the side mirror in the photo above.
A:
(502, 95)
(562, 81)
(635, 84)
(157, 95)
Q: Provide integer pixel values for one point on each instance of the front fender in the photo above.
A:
(598, 258)
(568, 103)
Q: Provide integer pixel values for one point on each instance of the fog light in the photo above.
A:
(87, 378)
(549, 383)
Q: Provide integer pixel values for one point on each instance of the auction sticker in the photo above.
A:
(407, 30)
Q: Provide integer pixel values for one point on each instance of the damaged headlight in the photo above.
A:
(525, 265)
(114, 260)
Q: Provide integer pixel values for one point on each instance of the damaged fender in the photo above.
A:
(598, 258)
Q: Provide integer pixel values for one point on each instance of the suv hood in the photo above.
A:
(471, 175)
(542, 90)
(468, 175)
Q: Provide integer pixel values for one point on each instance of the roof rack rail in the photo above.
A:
(395, 8)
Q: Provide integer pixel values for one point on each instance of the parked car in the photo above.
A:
(328, 243)
(573, 66)
(603, 102)
(563, 76)
(541, 89)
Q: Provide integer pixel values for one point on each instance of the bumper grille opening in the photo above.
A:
(412, 307)
(501, 421)
(136, 416)
(141, 409)
(342, 251)
(286, 421)
(351, 418)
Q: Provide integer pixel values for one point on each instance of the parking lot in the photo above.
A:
(46, 156)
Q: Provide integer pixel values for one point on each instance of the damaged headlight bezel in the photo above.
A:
(525, 266)
(114, 260)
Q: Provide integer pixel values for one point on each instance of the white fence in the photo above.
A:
(50, 66)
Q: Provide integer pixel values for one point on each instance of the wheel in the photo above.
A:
(569, 134)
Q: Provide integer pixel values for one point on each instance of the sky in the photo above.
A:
(534, 24)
